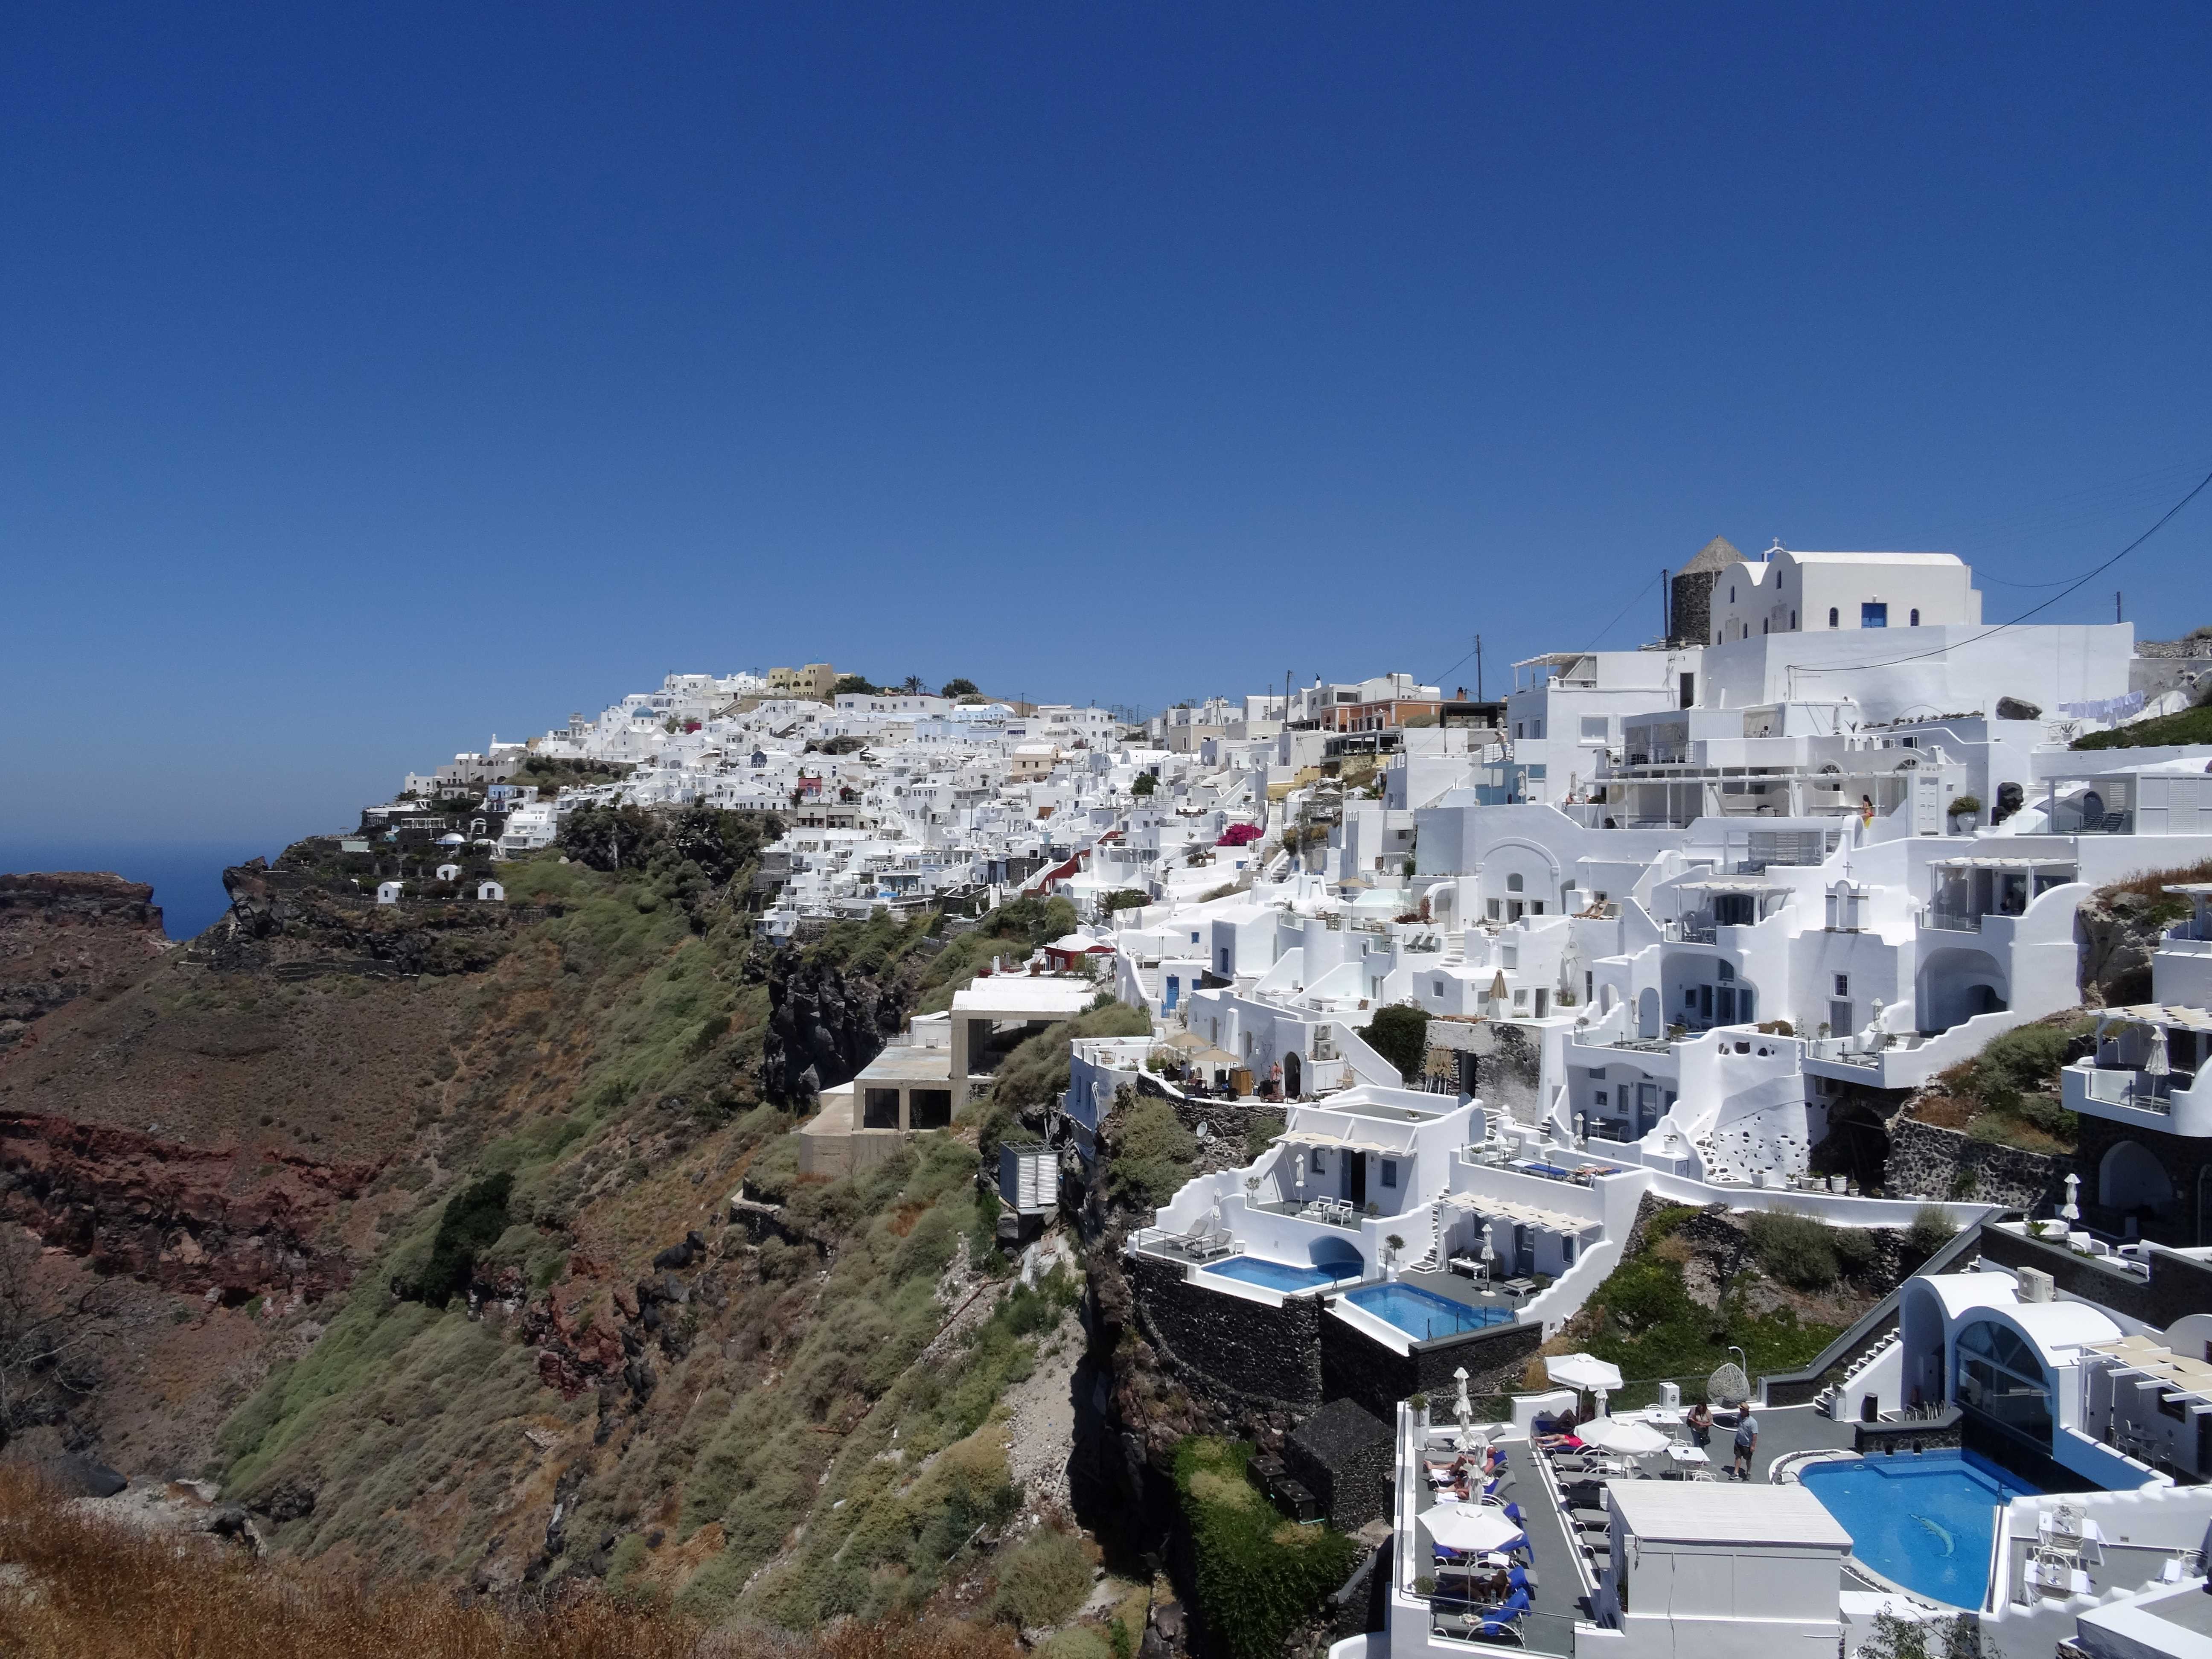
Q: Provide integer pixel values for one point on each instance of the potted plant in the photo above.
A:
(1962, 807)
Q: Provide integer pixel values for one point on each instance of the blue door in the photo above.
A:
(1174, 990)
(1873, 616)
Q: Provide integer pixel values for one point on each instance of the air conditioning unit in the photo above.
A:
(2035, 1285)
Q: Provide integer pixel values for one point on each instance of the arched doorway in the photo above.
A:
(2132, 1182)
(1293, 1075)
(1647, 1013)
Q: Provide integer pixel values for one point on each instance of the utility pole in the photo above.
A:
(2115, 604)
(1666, 609)
(1478, 668)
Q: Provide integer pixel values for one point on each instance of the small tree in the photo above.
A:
(958, 688)
(1144, 784)
(855, 685)
(1401, 1035)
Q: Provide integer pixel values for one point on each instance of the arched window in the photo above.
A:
(1915, 619)
(1762, 624)
(1793, 621)
(1832, 617)
(1999, 1377)
(1513, 885)
(1727, 974)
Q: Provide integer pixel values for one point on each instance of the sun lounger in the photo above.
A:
(1205, 1249)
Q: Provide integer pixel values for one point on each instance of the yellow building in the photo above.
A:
(816, 680)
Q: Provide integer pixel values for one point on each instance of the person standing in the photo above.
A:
(1747, 1442)
(1699, 1421)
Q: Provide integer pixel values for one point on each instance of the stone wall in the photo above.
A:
(1347, 1458)
(1255, 1354)
(1928, 1162)
(1356, 1367)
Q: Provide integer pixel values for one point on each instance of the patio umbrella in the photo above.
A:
(2157, 1063)
(1628, 1438)
(1582, 1370)
(1470, 1528)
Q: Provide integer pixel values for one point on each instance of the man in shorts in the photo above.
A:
(1747, 1442)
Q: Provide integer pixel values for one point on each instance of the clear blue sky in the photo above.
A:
(377, 378)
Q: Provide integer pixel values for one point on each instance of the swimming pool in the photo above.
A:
(1423, 1314)
(1277, 1275)
(1925, 1522)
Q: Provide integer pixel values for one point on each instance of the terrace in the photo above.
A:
(2147, 1069)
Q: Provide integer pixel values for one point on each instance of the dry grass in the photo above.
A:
(73, 1586)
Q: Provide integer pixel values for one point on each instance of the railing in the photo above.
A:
(2112, 1086)
(1943, 919)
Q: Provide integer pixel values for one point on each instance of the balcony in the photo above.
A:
(2114, 1086)
(1943, 919)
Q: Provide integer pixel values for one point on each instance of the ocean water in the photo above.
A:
(187, 876)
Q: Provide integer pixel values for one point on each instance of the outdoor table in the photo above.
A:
(1660, 1416)
(1687, 1454)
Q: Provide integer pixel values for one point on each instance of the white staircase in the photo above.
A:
(1433, 1256)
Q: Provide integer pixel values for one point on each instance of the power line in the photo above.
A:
(2079, 582)
(1623, 611)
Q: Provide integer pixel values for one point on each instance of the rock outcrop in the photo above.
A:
(2119, 930)
(190, 1219)
(824, 1027)
(64, 935)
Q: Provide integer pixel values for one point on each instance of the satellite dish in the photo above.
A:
(1729, 1385)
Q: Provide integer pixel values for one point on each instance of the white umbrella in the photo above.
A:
(1582, 1370)
(1471, 1528)
(2157, 1063)
(1630, 1439)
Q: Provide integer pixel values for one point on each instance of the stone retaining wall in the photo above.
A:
(1251, 1352)
(1928, 1161)
(1355, 1366)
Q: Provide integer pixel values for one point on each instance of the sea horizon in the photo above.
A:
(187, 876)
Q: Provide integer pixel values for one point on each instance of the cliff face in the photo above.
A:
(63, 935)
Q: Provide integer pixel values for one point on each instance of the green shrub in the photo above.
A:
(1044, 1580)
(1401, 1036)
(2190, 726)
(1259, 1576)
(474, 1218)
(1153, 1154)
(1665, 1219)
(1798, 1250)
(1078, 1641)
(1931, 1229)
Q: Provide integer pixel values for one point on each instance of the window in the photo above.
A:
(1440, 988)
(1832, 617)
(1915, 619)
(1520, 728)
(1390, 1173)
(1489, 907)
(1689, 996)
(1874, 614)
(1513, 885)
(1842, 985)
(1793, 621)
(2001, 1380)
(1319, 1160)
(1762, 624)
(1598, 1098)
(1596, 726)
(1731, 592)
(1535, 729)
(1727, 974)
(1521, 999)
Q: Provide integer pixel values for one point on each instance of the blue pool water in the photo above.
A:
(1923, 1522)
(1424, 1313)
(1275, 1275)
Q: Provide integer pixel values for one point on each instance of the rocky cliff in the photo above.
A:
(64, 935)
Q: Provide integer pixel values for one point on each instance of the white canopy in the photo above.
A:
(1470, 1527)
(1582, 1370)
(1612, 1434)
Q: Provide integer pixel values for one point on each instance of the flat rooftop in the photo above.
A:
(1714, 1512)
(908, 1065)
(1024, 995)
